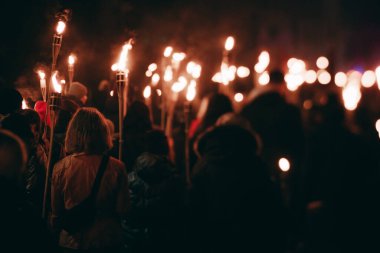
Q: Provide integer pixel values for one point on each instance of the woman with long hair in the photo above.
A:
(87, 141)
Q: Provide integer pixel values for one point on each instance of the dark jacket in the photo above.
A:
(153, 222)
(232, 204)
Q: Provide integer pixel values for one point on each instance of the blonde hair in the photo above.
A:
(88, 132)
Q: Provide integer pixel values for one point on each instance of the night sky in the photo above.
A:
(347, 31)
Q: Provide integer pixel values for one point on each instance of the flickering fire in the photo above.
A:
(42, 76)
(322, 62)
(155, 79)
(178, 87)
(111, 93)
(340, 79)
(230, 42)
(123, 58)
(377, 125)
(263, 62)
(178, 57)
(24, 105)
(310, 76)
(284, 164)
(147, 92)
(217, 78)
(368, 79)
(168, 75)
(56, 85)
(152, 67)
(168, 52)
(351, 93)
(239, 97)
(264, 78)
(191, 91)
(243, 72)
(60, 27)
(324, 77)
(71, 59)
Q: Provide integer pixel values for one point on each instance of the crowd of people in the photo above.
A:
(238, 198)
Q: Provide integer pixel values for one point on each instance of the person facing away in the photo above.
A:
(21, 229)
(232, 204)
(157, 191)
(87, 139)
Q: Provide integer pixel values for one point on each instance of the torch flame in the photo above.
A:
(377, 125)
(284, 164)
(41, 74)
(57, 87)
(178, 57)
(168, 51)
(152, 67)
(191, 91)
(147, 92)
(155, 79)
(71, 59)
(24, 105)
(230, 42)
(122, 63)
(168, 76)
(60, 27)
(238, 97)
(111, 93)
(178, 87)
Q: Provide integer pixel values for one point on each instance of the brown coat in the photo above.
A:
(72, 182)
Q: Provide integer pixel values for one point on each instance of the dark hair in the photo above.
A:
(13, 155)
(10, 100)
(218, 104)
(157, 143)
(19, 125)
(31, 116)
(88, 132)
(137, 119)
(276, 77)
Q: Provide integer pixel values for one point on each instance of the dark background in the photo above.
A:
(346, 31)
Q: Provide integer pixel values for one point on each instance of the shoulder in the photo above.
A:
(62, 164)
(116, 165)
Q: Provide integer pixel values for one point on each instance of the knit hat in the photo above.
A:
(77, 90)
(40, 108)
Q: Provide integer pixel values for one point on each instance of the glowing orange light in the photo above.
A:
(111, 93)
(197, 71)
(148, 73)
(239, 97)
(42, 76)
(24, 105)
(377, 125)
(159, 92)
(264, 78)
(123, 58)
(168, 75)
(217, 78)
(351, 93)
(147, 92)
(182, 80)
(155, 79)
(114, 67)
(231, 73)
(191, 91)
(60, 27)
(178, 87)
(377, 71)
(297, 67)
(368, 78)
(310, 76)
(71, 59)
(284, 164)
(56, 85)
(264, 60)
(168, 52)
(152, 67)
(340, 79)
(190, 67)
(177, 57)
(230, 42)
(322, 62)
(324, 77)
(243, 72)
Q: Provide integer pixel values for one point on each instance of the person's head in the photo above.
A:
(276, 77)
(217, 105)
(19, 125)
(64, 115)
(78, 91)
(10, 100)
(157, 143)
(88, 132)
(13, 155)
(34, 122)
(137, 119)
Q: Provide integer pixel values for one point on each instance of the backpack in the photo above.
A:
(83, 215)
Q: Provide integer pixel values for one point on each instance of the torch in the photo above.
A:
(190, 95)
(54, 103)
(42, 76)
(147, 93)
(122, 88)
(71, 62)
(168, 76)
(224, 67)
